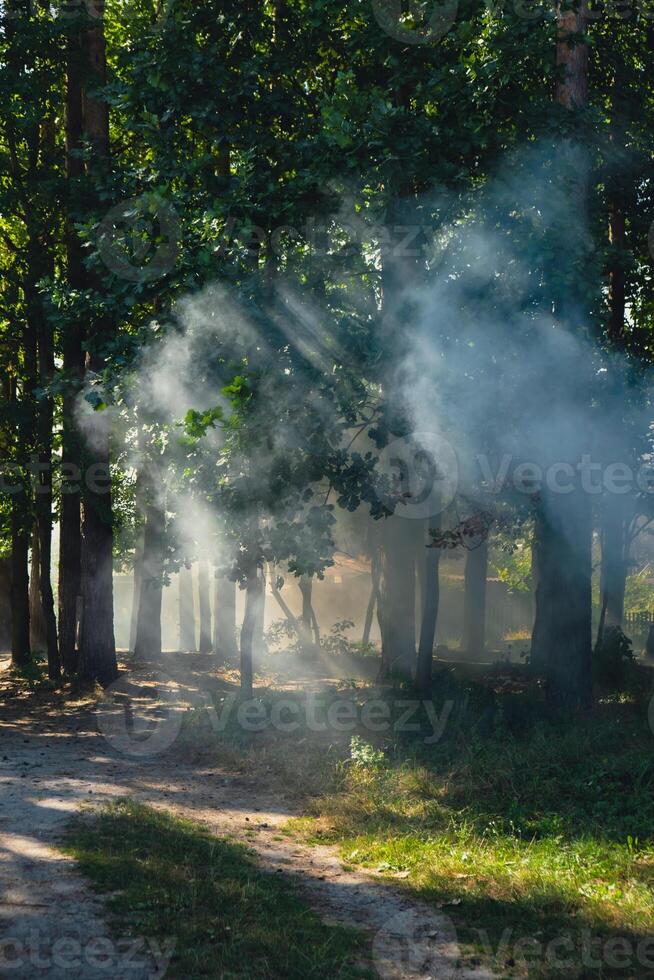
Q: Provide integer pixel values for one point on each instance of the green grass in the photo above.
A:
(169, 878)
(547, 833)
(525, 828)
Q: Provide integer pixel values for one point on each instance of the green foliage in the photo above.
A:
(365, 756)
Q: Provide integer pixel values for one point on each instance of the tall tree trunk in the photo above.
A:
(186, 610)
(565, 537)
(474, 598)
(38, 628)
(259, 643)
(224, 618)
(97, 641)
(43, 333)
(147, 645)
(137, 582)
(21, 651)
(70, 543)
(375, 573)
(564, 595)
(254, 598)
(615, 507)
(615, 559)
(5, 602)
(542, 630)
(398, 597)
(428, 615)
(204, 605)
(307, 617)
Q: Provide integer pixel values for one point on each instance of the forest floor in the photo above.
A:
(58, 757)
(326, 827)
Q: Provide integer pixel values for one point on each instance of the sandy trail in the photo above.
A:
(52, 762)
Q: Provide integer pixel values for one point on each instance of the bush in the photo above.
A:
(612, 660)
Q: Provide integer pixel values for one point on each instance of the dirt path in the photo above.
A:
(51, 763)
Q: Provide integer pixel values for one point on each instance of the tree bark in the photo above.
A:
(147, 645)
(307, 618)
(186, 610)
(253, 613)
(542, 630)
(428, 616)
(564, 597)
(474, 598)
(70, 543)
(374, 596)
(398, 597)
(43, 334)
(224, 618)
(615, 560)
(21, 651)
(5, 602)
(139, 548)
(204, 605)
(97, 642)
(38, 629)
(616, 508)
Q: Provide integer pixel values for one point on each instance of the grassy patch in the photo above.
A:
(548, 835)
(169, 877)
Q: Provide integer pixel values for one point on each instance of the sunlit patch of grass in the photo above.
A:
(171, 879)
(547, 835)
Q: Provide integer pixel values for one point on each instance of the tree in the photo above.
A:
(97, 655)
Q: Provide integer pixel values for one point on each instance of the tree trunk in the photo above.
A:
(254, 596)
(538, 655)
(615, 560)
(572, 55)
(474, 599)
(374, 595)
(204, 605)
(21, 651)
(224, 618)
(147, 644)
(43, 502)
(259, 643)
(70, 544)
(5, 602)
(564, 597)
(137, 582)
(38, 629)
(97, 642)
(307, 618)
(615, 510)
(186, 610)
(398, 597)
(428, 616)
